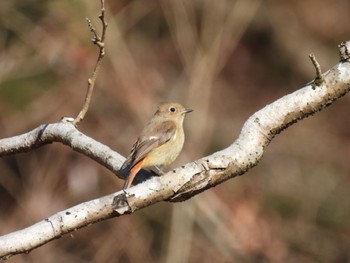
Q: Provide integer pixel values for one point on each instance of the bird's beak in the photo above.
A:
(187, 111)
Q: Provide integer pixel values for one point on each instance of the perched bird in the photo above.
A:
(159, 143)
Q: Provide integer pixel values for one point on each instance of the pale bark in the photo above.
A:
(181, 183)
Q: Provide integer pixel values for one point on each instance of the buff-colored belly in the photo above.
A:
(165, 154)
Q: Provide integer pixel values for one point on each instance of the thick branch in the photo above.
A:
(66, 133)
(183, 182)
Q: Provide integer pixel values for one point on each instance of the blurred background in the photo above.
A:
(224, 59)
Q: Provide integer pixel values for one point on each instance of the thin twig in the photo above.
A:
(319, 77)
(99, 41)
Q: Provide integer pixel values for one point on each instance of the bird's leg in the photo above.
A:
(158, 170)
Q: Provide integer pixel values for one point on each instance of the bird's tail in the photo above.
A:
(131, 176)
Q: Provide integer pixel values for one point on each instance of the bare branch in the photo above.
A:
(181, 183)
(66, 133)
(99, 41)
(55, 226)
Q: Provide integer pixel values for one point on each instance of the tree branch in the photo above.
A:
(65, 133)
(99, 41)
(181, 183)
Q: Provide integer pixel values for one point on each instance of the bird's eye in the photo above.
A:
(172, 109)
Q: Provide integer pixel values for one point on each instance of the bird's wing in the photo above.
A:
(150, 138)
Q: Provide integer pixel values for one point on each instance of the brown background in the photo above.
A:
(224, 59)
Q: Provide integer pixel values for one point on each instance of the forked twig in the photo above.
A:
(99, 41)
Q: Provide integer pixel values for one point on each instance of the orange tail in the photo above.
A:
(134, 170)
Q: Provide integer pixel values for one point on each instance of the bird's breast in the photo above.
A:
(166, 153)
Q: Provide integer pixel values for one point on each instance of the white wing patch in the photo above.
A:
(174, 136)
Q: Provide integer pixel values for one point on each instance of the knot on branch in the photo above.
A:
(344, 51)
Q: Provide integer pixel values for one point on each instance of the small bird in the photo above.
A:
(159, 143)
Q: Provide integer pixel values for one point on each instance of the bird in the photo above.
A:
(159, 143)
